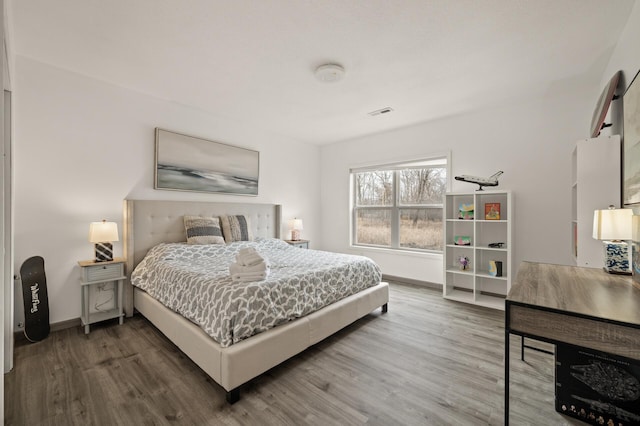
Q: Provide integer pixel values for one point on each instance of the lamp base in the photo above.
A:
(104, 252)
(617, 258)
(614, 272)
(295, 235)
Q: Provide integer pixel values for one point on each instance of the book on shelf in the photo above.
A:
(492, 211)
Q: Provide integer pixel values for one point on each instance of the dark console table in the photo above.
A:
(584, 307)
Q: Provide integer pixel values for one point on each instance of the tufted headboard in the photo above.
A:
(150, 222)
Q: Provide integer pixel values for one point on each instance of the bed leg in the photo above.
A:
(233, 396)
(384, 308)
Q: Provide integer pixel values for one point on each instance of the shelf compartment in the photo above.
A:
(489, 301)
(491, 231)
(456, 246)
(456, 270)
(458, 280)
(491, 286)
(483, 257)
(460, 295)
(504, 249)
(454, 253)
(492, 197)
(452, 205)
(458, 228)
(485, 274)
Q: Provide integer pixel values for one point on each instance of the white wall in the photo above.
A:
(82, 146)
(530, 141)
(625, 58)
(6, 354)
(69, 127)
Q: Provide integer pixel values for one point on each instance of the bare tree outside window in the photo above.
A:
(423, 186)
(400, 207)
(374, 188)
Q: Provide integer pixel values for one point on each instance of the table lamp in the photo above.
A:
(614, 226)
(102, 234)
(296, 227)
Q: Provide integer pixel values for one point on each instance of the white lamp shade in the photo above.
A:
(101, 232)
(296, 224)
(613, 224)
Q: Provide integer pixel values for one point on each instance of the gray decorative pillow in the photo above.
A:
(236, 228)
(203, 230)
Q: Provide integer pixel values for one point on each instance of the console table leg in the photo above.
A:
(233, 396)
(506, 377)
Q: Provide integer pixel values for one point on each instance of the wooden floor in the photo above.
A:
(428, 361)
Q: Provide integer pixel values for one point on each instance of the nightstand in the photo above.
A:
(101, 291)
(298, 243)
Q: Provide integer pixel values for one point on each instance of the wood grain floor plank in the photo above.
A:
(428, 361)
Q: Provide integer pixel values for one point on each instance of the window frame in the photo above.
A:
(396, 207)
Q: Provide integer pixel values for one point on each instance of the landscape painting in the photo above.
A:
(187, 163)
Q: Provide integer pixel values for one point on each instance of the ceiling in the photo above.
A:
(253, 61)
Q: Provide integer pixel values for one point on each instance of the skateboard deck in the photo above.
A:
(36, 301)
(602, 106)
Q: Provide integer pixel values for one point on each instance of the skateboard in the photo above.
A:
(36, 301)
(602, 106)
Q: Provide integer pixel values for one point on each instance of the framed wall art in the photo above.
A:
(187, 163)
(631, 145)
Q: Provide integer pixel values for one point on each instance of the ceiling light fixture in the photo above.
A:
(329, 73)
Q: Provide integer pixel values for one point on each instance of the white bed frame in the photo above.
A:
(147, 223)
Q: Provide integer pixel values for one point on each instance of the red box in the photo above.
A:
(492, 211)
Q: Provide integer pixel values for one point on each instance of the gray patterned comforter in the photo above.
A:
(194, 281)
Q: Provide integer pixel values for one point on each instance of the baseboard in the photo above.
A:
(57, 326)
(75, 322)
(411, 281)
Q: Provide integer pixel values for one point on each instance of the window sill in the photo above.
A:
(421, 254)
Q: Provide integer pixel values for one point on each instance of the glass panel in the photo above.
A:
(421, 228)
(423, 186)
(373, 226)
(374, 188)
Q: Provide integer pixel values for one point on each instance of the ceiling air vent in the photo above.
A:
(381, 111)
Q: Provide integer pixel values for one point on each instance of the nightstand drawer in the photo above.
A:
(104, 272)
(303, 244)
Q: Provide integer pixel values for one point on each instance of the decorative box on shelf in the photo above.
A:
(492, 211)
(465, 211)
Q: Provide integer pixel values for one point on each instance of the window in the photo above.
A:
(399, 206)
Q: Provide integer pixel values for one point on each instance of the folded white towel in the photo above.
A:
(248, 256)
(235, 268)
(246, 277)
(250, 266)
(247, 250)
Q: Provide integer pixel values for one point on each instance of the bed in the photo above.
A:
(148, 223)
